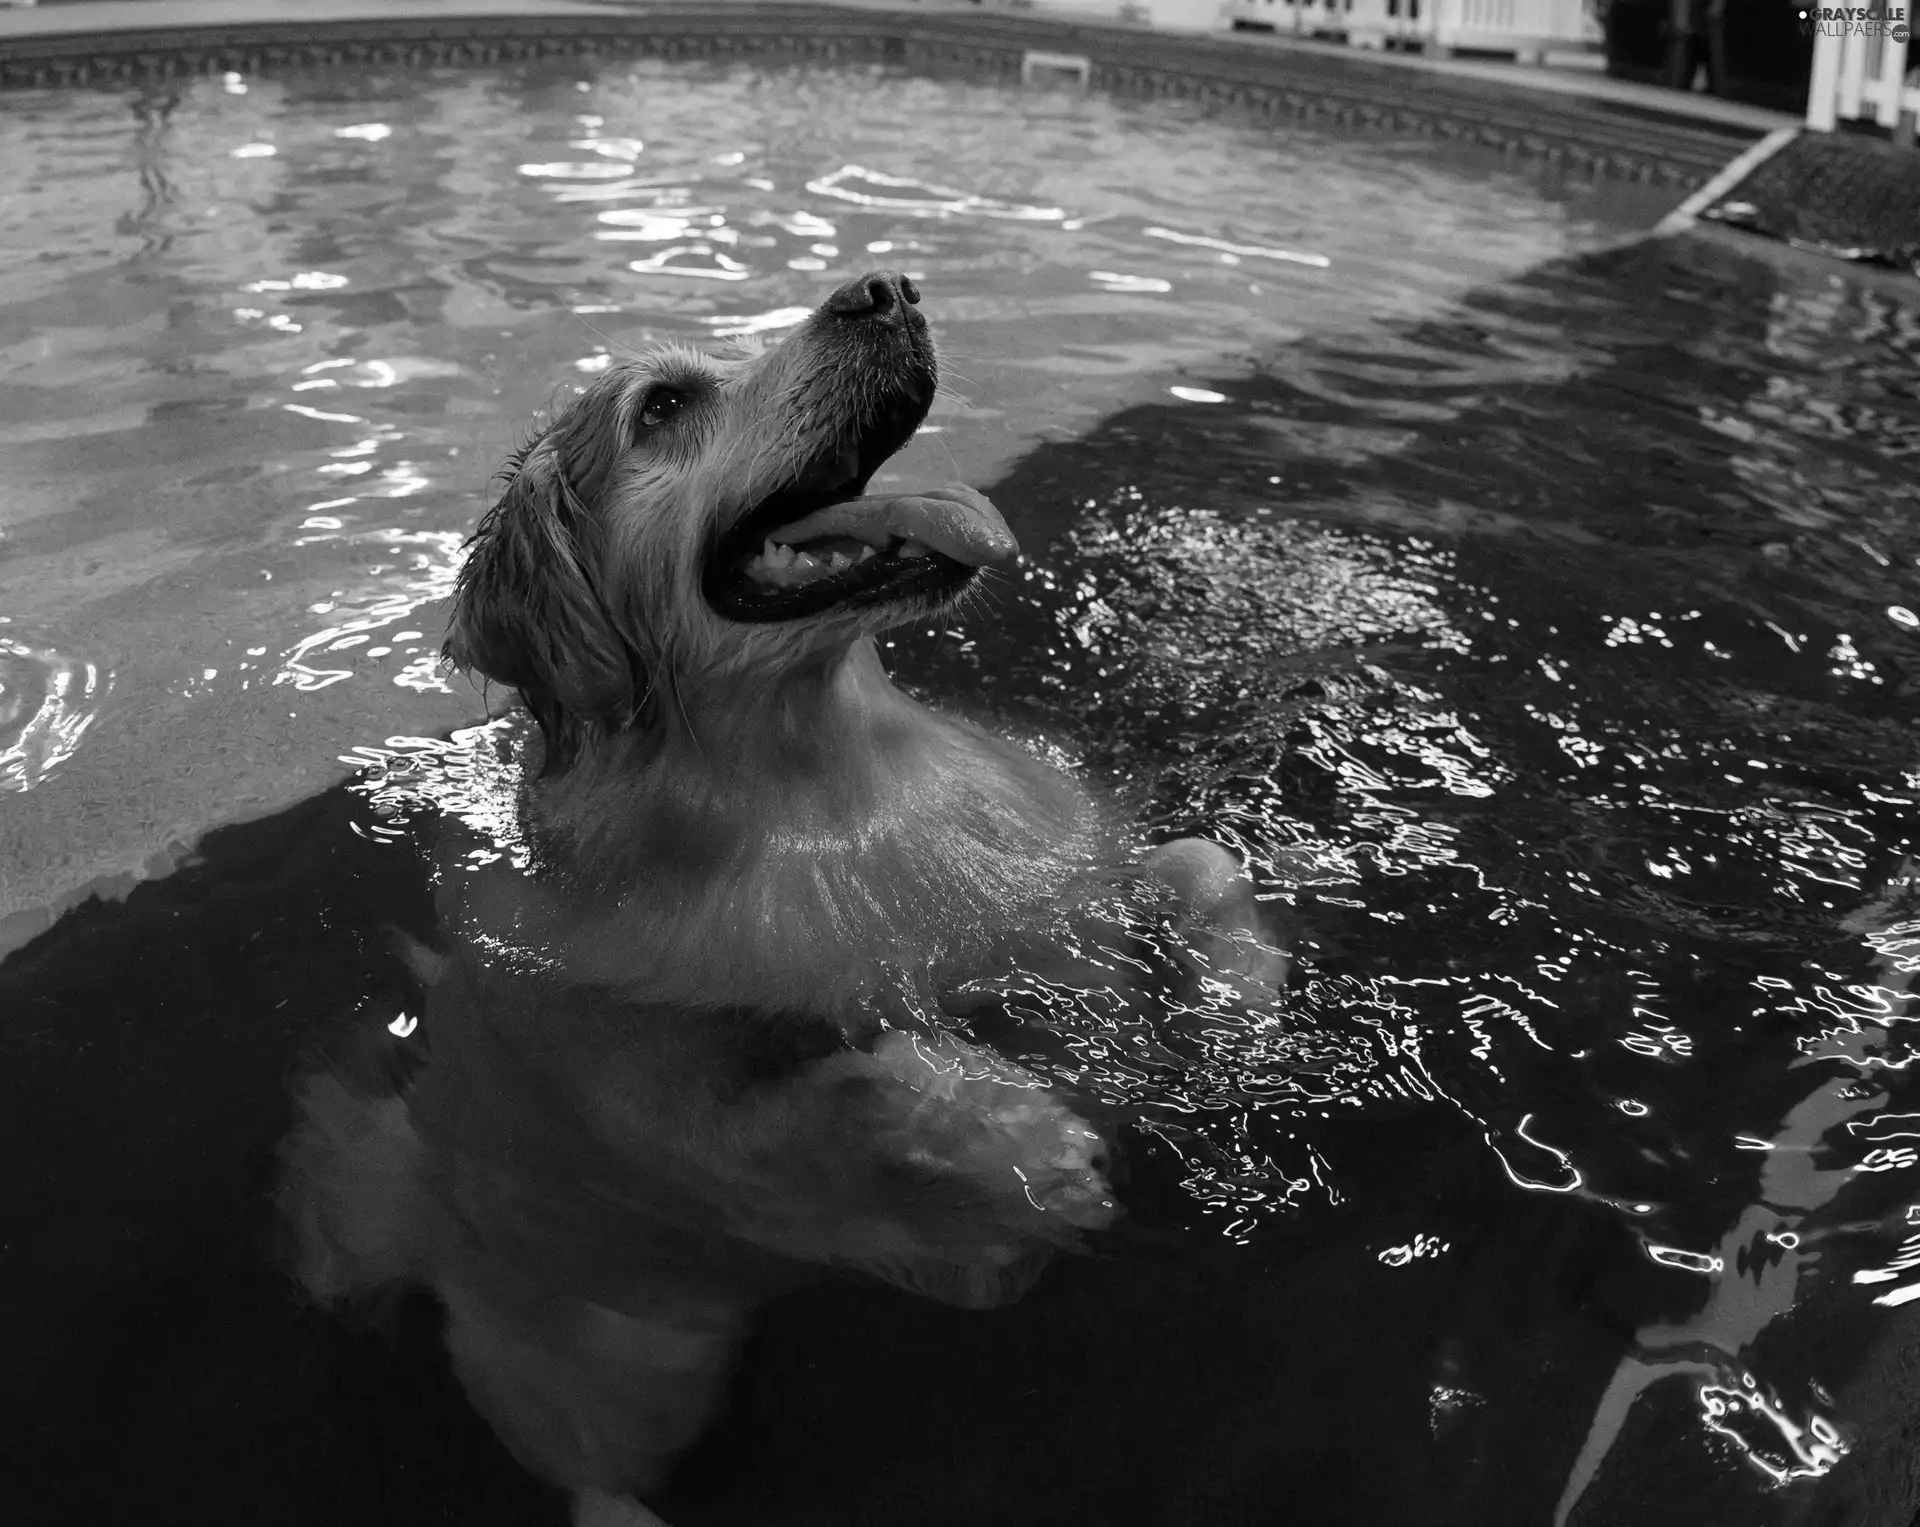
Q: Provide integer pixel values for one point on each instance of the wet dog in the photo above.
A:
(692, 1049)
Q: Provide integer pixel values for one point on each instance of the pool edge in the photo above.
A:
(1588, 135)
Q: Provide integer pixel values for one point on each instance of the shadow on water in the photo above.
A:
(1550, 661)
(159, 1371)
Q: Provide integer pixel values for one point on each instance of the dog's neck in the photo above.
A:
(768, 840)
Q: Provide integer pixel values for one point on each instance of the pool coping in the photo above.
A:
(1599, 133)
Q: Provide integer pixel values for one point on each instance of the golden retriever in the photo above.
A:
(693, 1049)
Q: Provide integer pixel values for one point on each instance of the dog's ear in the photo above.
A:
(526, 611)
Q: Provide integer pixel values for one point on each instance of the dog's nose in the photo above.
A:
(882, 294)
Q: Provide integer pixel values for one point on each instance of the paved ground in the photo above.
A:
(1836, 192)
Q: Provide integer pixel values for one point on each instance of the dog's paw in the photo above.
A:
(1203, 875)
(995, 1122)
(1222, 922)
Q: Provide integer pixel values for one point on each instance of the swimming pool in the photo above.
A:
(1533, 608)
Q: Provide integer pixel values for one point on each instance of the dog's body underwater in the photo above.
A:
(690, 1053)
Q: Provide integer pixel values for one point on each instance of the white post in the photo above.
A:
(1853, 74)
(1893, 75)
(1823, 89)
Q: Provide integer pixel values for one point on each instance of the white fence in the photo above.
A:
(1519, 26)
(1306, 18)
(1856, 77)
(1526, 28)
(1175, 15)
(1163, 15)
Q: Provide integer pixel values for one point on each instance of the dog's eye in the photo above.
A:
(661, 405)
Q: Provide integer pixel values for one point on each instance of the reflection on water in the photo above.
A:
(47, 702)
(1544, 643)
(1576, 751)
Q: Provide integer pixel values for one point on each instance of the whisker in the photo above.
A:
(947, 366)
(786, 399)
(607, 339)
(952, 460)
(640, 704)
(673, 689)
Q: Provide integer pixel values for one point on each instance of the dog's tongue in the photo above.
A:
(956, 521)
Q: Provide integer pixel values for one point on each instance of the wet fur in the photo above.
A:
(693, 1052)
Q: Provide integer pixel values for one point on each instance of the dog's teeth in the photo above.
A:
(912, 549)
(783, 567)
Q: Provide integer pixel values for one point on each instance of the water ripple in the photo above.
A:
(47, 702)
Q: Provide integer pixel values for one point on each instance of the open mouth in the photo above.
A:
(821, 544)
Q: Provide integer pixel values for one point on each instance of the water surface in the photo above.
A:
(1539, 617)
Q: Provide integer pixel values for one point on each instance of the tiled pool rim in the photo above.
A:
(1583, 136)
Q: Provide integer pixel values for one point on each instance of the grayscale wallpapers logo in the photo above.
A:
(1881, 20)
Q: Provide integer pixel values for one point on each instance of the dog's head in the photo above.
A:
(694, 520)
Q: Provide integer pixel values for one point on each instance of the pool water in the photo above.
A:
(1533, 606)
(264, 344)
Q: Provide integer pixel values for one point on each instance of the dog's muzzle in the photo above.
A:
(818, 543)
